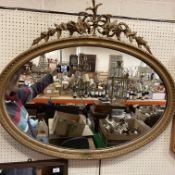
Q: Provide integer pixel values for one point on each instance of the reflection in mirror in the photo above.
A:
(85, 98)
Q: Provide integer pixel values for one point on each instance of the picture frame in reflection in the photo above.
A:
(40, 167)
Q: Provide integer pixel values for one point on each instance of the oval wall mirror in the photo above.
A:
(86, 97)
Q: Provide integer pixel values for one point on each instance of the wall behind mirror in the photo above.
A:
(13, 43)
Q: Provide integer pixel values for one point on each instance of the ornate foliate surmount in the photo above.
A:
(92, 24)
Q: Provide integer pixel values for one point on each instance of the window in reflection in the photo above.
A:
(97, 98)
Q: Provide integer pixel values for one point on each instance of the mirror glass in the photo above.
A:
(98, 98)
(42, 170)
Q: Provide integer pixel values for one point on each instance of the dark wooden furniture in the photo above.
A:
(42, 167)
(173, 135)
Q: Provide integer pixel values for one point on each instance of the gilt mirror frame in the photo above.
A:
(88, 37)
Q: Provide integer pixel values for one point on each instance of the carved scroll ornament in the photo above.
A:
(91, 24)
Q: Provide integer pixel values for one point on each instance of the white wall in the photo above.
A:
(157, 9)
(130, 63)
(103, 55)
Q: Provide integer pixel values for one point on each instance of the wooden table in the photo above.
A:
(64, 100)
(71, 100)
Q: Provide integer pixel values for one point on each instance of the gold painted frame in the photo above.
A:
(97, 42)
